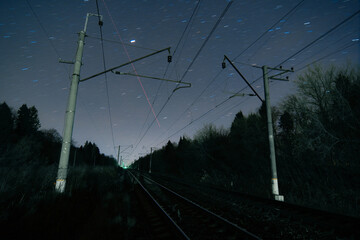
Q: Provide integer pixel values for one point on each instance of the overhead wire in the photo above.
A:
(288, 14)
(196, 56)
(296, 53)
(105, 75)
(189, 24)
(298, 69)
(272, 26)
(127, 53)
(43, 29)
(122, 43)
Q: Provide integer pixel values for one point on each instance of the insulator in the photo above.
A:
(101, 23)
(292, 69)
(287, 77)
(280, 67)
(169, 59)
(223, 65)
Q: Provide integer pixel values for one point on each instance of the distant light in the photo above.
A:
(306, 23)
(24, 69)
(132, 41)
(355, 40)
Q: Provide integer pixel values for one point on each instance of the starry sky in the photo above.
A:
(120, 110)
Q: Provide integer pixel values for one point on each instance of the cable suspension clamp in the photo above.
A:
(185, 84)
(279, 75)
(64, 61)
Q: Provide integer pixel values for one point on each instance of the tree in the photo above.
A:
(325, 114)
(6, 124)
(27, 121)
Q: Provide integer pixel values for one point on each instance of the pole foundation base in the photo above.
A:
(279, 198)
(60, 185)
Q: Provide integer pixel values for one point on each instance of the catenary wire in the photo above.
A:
(197, 54)
(189, 23)
(272, 26)
(105, 76)
(127, 53)
(287, 15)
(296, 53)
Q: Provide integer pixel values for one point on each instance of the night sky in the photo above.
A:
(35, 33)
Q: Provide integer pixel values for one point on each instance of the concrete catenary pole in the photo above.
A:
(274, 179)
(150, 160)
(118, 156)
(70, 113)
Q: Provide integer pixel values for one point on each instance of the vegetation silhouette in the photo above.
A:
(317, 134)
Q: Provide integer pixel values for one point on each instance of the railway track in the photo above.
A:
(272, 219)
(171, 215)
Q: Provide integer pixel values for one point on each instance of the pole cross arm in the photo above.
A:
(240, 94)
(125, 64)
(242, 76)
(186, 84)
(282, 71)
(279, 79)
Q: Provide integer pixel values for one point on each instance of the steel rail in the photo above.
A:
(160, 207)
(204, 209)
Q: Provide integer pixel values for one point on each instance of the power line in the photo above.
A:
(207, 39)
(138, 78)
(175, 50)
(291, 11)
(122, 43)
(328, 55)
(44, 30)
(314, 41)
(322, 36)
(302, 49)
(105, 75)
(197, 54)
(272, 26)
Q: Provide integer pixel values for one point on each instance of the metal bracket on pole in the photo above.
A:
(278, 75)
(242, 76)
(64, 61)
(187, 85)
(240, 94)
(125, 64)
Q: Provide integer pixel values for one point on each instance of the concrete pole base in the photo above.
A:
(279, 198)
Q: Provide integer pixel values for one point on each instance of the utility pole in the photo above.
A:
(150, 158)
(118, 156)
(274, 179)
(70, 112)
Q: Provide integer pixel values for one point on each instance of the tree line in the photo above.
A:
(317, 138)
(22, 142)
